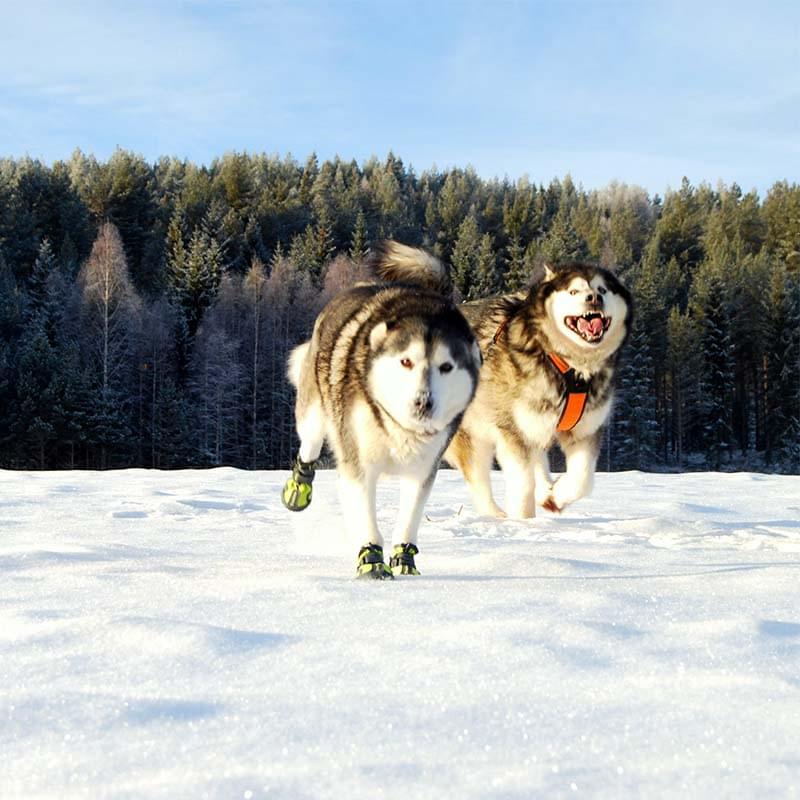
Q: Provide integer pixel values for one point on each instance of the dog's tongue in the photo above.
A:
(592, 327)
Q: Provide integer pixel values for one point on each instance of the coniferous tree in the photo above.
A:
(37, 410)
(562, 242)
(255, 295)
(184, 227)
(517, 274)
(486, 279)
(717, 382)
(43, 268)
(358, 242)
(195, 274)
(465, 258)
(635, 415)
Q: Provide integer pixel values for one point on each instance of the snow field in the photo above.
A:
(180, 634)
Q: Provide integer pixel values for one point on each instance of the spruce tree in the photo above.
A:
(517, 274)
(562, 242)
(487, 281)
(717, 382)
(43, 268)
(358, 241)
(465, 258)
(635, 435)
(195, 274)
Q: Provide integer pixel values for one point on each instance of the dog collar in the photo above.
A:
(577, 394)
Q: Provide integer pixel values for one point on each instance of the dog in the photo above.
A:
(391, 366)
(548, 374)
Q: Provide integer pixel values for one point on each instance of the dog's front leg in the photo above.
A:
(577, 481)
(358, 508)
(413, 496)
(516, 461)
(358, 505)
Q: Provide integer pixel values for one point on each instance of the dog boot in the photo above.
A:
(402, 561)
(296, 494)
(370, 564)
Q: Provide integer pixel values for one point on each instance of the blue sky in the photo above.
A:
(642, 92)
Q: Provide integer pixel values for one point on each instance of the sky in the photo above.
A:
(639, 92)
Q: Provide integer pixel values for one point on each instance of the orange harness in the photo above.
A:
(577, 388)
(577, 394)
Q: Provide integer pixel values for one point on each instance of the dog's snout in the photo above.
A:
(423, 402)
(594, 299)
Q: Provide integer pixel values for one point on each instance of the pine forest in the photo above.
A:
(147, 309)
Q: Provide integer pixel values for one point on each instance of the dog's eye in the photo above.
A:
(601, 289)
(407, 363)
(573, 291)
(445, 368)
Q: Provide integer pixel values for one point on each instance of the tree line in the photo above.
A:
(146, 309)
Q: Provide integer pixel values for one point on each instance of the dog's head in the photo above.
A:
(586, 308)
(424, 369)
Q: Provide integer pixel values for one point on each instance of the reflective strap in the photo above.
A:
(573, 411)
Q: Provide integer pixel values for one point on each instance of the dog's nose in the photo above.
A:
(423, 402)
(594, 298)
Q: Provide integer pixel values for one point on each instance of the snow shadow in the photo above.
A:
(208, 505)
(779, 630)
(144, 712)
(236, 640)
(156, 634)
(81, 555)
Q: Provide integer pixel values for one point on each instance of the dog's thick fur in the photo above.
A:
(521, 394)
(385, 379)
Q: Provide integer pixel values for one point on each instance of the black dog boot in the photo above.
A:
(370, 564)
(296, 494)
(402, 561)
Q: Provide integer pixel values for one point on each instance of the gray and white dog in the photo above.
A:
(549, 362)
(385, 379)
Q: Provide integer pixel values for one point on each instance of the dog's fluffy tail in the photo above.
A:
(297, 360)
(399, 263)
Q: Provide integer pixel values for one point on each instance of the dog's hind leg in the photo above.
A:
(310, 424)
(311, 430)
(542, 476)
(474, 457)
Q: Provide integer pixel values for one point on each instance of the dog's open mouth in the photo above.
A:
(591, 327)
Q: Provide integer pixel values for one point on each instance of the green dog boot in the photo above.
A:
(402, 561)
(370, 564)
(296, 494)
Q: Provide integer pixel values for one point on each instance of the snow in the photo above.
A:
(179, 634)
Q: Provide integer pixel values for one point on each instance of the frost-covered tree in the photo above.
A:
(109, 319)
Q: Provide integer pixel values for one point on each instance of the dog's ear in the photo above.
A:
(549, 272)
(477, 355)
(378, 335)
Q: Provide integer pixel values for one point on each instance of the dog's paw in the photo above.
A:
(551, 505)
(490, 511)
(544, 492)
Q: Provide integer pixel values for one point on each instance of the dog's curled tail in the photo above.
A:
(399, 263)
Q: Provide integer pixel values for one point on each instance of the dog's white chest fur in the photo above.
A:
(538, 427)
